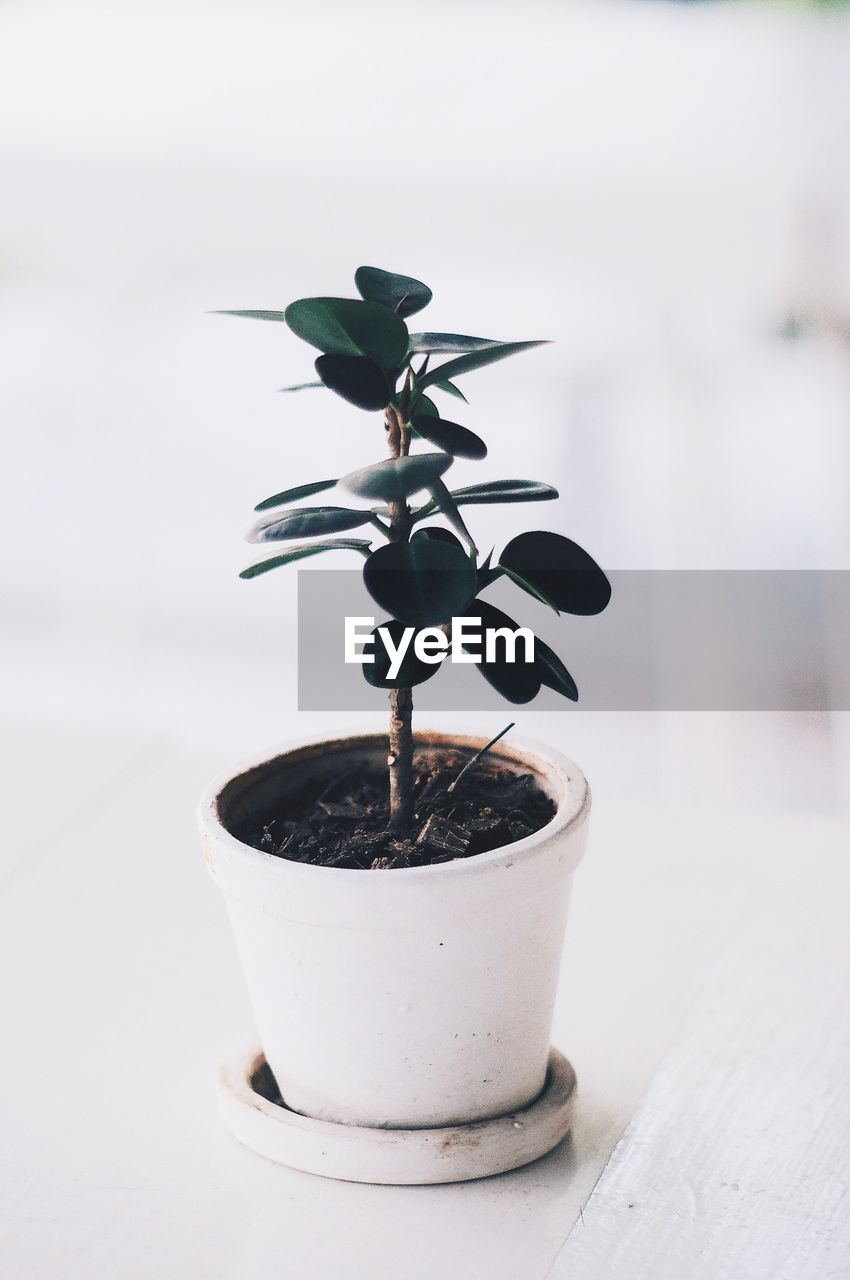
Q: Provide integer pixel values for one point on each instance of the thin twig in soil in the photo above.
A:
(479, 754)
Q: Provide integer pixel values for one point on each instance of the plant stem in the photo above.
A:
(400, 758)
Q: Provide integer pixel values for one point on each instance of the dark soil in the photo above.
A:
(347, 824)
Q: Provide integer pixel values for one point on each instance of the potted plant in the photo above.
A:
(399, 900)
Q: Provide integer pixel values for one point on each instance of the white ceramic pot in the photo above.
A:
(408, 998)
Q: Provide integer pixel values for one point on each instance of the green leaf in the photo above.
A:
(560, 570)
(301, 552)
(347, 327)
(301, 386)
(412, 670)
(424, 405)
(505, 491)
(447, 507)
(497, 491)
(448, 343)
(307, 522)
(396, 478)
(253, 315)
(402, 294)
(528, 587)
(476, 360)
(517, 681)
(459, 441)
(421, 583)
(358, 380)
(439, 534)
(451, 389)
(552, 671)
(292, 495)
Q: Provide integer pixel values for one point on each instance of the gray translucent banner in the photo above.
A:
(673, 640)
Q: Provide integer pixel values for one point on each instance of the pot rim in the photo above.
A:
(572, 809)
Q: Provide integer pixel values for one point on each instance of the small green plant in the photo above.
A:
(423, 575)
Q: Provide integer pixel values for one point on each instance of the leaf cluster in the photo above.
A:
(421, 574)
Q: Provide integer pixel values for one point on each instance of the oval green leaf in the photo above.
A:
(412, 670)
(253, 315)
(552, 671)
(447, 506)
(439, 534)
(451, 389)
(517, 681)
(448, 343)
(293, 495)
(425, 406)
(358, 380)
(301, 552)
(402, 294)
(560, 570)
(459, 441)
(421, 583)
(519, 581)
(348, 327)
(504, 491)
(307, 522)
(396, 478)
(476, 360)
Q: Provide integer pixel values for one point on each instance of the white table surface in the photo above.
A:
(121, 990)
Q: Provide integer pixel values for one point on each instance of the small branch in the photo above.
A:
(391, 422)
(379, 524)
(479, 754)
(400, 758)
(489, 574)
(428, 509)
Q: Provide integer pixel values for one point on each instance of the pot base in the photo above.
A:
(255, 1114)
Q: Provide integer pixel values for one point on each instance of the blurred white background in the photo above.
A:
(656, 187)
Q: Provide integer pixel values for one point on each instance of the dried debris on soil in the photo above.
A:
(346, 824)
